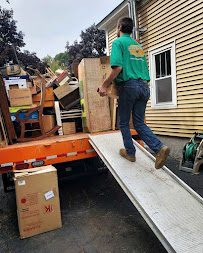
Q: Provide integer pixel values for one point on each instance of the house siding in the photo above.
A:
(180, 21)
(111, 37)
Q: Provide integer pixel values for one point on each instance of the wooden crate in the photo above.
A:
(95, 109)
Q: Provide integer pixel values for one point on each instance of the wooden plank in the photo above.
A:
(113, 113)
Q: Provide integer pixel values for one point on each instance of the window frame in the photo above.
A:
(152, 70)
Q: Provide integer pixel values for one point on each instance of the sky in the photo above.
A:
(49, 24)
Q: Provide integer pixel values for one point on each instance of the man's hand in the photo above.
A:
(102, 91)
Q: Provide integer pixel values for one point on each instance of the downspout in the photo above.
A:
(132, 6)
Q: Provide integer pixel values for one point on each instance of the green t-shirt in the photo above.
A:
(128, 54)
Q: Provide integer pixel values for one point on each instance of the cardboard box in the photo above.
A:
(20, 97)
(37, 198)
(48, 122)
(69, 128)
(105, 70)
(113, 91)
(15, 81)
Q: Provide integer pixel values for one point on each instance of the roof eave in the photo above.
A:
(103, 24)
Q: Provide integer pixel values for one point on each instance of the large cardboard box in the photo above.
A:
(105, 70)
(20, 97)
(37, 198)
(95, 109)
(69, 128)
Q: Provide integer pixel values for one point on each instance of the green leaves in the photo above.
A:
(92, 44)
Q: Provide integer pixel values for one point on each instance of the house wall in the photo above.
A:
(111, 37)
(182, 21)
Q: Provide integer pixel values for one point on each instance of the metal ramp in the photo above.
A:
(170, 207)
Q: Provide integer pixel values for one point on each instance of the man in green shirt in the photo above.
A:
(130, 71)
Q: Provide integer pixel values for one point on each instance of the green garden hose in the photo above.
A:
(190, 150)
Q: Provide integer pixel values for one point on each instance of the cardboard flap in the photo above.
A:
(33, 171)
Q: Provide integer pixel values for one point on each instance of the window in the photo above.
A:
(163, 77)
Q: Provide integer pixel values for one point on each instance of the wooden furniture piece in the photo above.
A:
(3, 132)
(49, 98)
(5, 112)
(64, 114)
(68, 95)
(39, 109)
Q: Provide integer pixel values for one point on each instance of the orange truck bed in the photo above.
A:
(51, 150)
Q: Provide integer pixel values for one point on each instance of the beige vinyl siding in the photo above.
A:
(111, 37)
(180, 21)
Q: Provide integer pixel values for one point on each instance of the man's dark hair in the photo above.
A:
(126, 25)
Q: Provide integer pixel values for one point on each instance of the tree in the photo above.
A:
(51, 62)
(62, 58)
(29, 59)
(9, 36)
(92, 44)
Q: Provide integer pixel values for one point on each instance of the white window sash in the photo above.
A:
(152, 67)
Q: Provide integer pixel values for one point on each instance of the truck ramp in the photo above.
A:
(170, 207)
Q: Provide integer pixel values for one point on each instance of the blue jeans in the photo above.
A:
(133, 97)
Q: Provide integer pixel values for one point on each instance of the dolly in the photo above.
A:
(193, 154)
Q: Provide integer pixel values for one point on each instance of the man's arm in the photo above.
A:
(114, 73)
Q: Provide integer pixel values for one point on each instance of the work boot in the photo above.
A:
(124, 154)
(161, 157)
